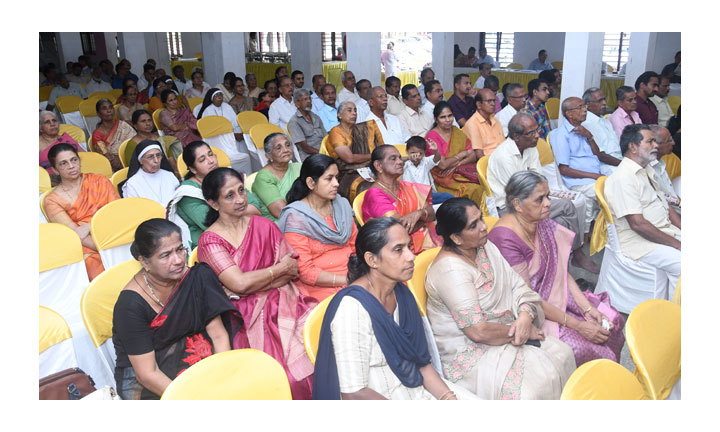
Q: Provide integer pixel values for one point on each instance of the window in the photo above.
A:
(175, 44)
(499, 45)
(272, 42)
(88, 43)
(331, 42)
(615, 49)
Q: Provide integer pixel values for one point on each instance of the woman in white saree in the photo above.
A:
(485, 319)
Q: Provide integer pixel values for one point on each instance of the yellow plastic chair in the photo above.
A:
(323, 147)
(59, 246)
(68, 104)
(604, 217)
(610, 68)
(96, 163)
(258, 134)
(119, 177)
(115, 224)
(156, 120)
(42, 201)
(98, 299)
(211, 126)
(53, 328)
(223, 161)
(557, 65)
(193, 259)
(417, 283)
(676, 295)
(195, 101)
(545, 152)
(674, 102)
(249, 180)
(75, 132)
(553, 108)
(243, 374)
(90, 145)
(515, 66)
(490, 221)
(672, 165)
(247, 119)
(481, 168)
(357, 207)
(115, 93)
(652, 333)
(87, 107)
(101, 95)
(123, 153)
(44, 181)
(45, 93)
(402, 148)
(602, 379)
(447, 94)
(311, 329)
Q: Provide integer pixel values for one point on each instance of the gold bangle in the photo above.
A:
(272, 275)
(447, 393)
(587, 310)
(334, 279)
(565, 322)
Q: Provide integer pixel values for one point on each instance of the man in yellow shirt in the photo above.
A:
(483, 130)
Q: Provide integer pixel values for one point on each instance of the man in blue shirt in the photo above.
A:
(576, 155)
(328, 112)
(540, 63)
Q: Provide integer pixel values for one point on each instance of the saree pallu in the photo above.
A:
(95, 192)
(182, 116)
(109, 144)
(179, 334)
(463, 180)
(412, 197)
(363, 140)
(545, 269)
(274, 318)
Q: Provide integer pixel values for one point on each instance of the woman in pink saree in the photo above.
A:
(411, 203)
(177, 121)
(256, 265)
(539, 249)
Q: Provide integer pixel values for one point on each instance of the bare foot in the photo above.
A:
(581, 260)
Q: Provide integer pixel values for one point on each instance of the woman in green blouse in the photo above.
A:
(273, 182)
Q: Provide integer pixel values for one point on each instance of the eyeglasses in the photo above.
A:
(519, 97)
(532, 132)
(599, 100)
(579, 107)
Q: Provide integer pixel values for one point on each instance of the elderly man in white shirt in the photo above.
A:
(388, 59)
(96, 84)
(392, 87)
(282, 110)
(318, 81)
(602, 130)
(426, 76)
(660, 100)
(519, 153)
(364, 91)
(348, 92)
(415, 120)
(393, 132)
(657, 168)
(433, 95)
(516, 95)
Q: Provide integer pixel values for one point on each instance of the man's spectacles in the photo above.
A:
(599, 100)
(532, 132)
(519, 97)
(579, 107)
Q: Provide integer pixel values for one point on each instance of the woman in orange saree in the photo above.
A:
(76, 200)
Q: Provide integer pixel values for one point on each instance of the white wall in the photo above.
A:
(466, 40)
(665, 48)
(528, 44)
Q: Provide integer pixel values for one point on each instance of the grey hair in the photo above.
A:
(43, 113)
(621, 91)
(298, 93)
(520, 186)
(586, 96)
(565, 105)
(341, 107)
(342, 75)
(269, 142)
(515, 126)
(513, 86)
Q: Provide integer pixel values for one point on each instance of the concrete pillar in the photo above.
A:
(641, 56)
(363, 56)
(222, 52)
(582, 64)
(156, 46)
(442, 58)
(111, 47)
(306, 54)
(69, 48)
(132, 47)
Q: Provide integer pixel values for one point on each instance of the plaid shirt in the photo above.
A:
(540, 115)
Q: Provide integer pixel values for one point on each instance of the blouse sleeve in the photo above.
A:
(212, 251)
(266, 188)
(336, 138)
(352, 339)
(456, 287)
(130, 324)
(308, 271)
(53, 207)
(511, 250)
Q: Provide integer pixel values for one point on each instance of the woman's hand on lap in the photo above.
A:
(520, 330)
(592, 332)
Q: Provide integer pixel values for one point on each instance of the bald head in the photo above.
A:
(574, 110)
(663, 139)
(378, 101)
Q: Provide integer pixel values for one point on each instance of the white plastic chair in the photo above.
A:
(56, 347)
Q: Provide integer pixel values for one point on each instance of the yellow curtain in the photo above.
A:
(264, 71)
(187, 65)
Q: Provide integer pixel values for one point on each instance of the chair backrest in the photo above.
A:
(490, 221)
(123, 153)
(193, 259)
(652, 333)
(545, 152)
(557, 64)
(45, 93)
(402, 148)
(44, 181)
(672, 165)
(75, 132)
(481, 168)
(98, 299)
(119, 176)
(553, 108)
(156, 119)
(53, 328)
(482, 165)
(676, 294)
(417, 282)
(194, 101)
(42, 201)
(68, 104)
(323, 147)
(87, 107)
(115, 94)
(600, 195)
(115, 223)
(357, 207)
(674, 102)
(102, 95)
(247, 119)
(249, 180)
(602, 379)
(59, 246)
(90, 145)
(311, 329)
(447, 94)
(222, 157)
(515, 66)
(610, 68)
(96, 163)
(210, 126)
(243, 374)
(260, 131)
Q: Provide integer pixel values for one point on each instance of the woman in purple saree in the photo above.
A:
(538, 249)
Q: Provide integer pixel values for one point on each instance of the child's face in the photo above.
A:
(266, 98)
(415, 155)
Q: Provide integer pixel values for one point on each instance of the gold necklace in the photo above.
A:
(388, 189)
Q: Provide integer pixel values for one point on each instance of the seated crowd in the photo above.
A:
(508, 319)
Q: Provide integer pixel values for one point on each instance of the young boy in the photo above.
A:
(417, 167)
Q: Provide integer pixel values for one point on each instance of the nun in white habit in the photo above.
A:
(149, 175)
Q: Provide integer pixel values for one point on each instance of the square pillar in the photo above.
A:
(69, 48)
(442, 58)
(111, 47)
(156, 47)
(132, 47)
(222, 53)
(582, 64)
(306, 55)
(641, 56)
(363, 56)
